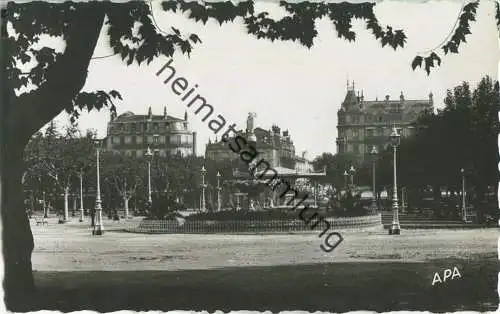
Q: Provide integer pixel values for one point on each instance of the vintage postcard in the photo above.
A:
(259, 156)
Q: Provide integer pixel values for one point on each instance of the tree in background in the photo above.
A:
(462, 135)
(124, 174)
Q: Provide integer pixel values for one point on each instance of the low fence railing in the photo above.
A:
(241, 226)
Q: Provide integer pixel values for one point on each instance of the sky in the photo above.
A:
(286, 84)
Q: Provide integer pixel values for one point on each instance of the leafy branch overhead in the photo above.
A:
(132, 35)
(467, 15)
(298, 25)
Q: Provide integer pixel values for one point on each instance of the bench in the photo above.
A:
(41, 221)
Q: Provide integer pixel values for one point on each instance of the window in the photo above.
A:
(162, 139)
(155, 139)
(155, 127)
(380, 119)
(134, 127)
(150, 139)
(349, 148)
(116, 140)
(128, 139)
(139, 153)
(139, 139)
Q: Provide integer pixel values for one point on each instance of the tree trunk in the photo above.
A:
(125, 205)
(17, 236)
(74, 206)
(21, 116)
(66, 204)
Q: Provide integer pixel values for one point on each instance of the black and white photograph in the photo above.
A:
(261, 156)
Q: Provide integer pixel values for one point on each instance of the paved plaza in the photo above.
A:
(368, 271)
(71, 247)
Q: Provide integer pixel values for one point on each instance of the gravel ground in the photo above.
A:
(71, 247)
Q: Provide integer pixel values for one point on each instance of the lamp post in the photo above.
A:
(149, 156)
(395, 227)
(345, 178)
(464, 208)
(374, 162)
(44, 206)
(218, 191)
(352, 171)
(203, 172)
(98, 228)
(81, 195)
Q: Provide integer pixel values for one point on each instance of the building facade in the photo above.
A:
(363, 124)
(274, 145)
(132, 134)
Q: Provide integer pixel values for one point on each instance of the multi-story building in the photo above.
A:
(274, 146)
(302, 164)
(363, 124)
(132, 134)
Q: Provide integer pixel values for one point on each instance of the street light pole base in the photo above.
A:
(394, 230)
(98, 231)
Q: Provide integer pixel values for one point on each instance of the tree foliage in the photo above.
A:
(462, 135)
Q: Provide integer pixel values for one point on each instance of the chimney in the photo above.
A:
(387, 97)
(185, 115)
(165, 112)
(150, 113)
(402, 97)
(430, 97)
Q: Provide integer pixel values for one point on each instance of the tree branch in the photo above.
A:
(64, 79)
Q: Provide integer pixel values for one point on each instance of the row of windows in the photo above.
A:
(158, 152)
(366, 119)
(177, 139)
(138, 127)
(361, 148)
(370, 132)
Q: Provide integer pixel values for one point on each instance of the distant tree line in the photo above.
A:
(55, 161)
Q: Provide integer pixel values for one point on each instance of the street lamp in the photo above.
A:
(464, 208)
(81, 195)
(149, 156)
(203, 172)
(98, 227)
(45, 215)
(374, 153)
(352, 171)
(395, 228)
(218, 191)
